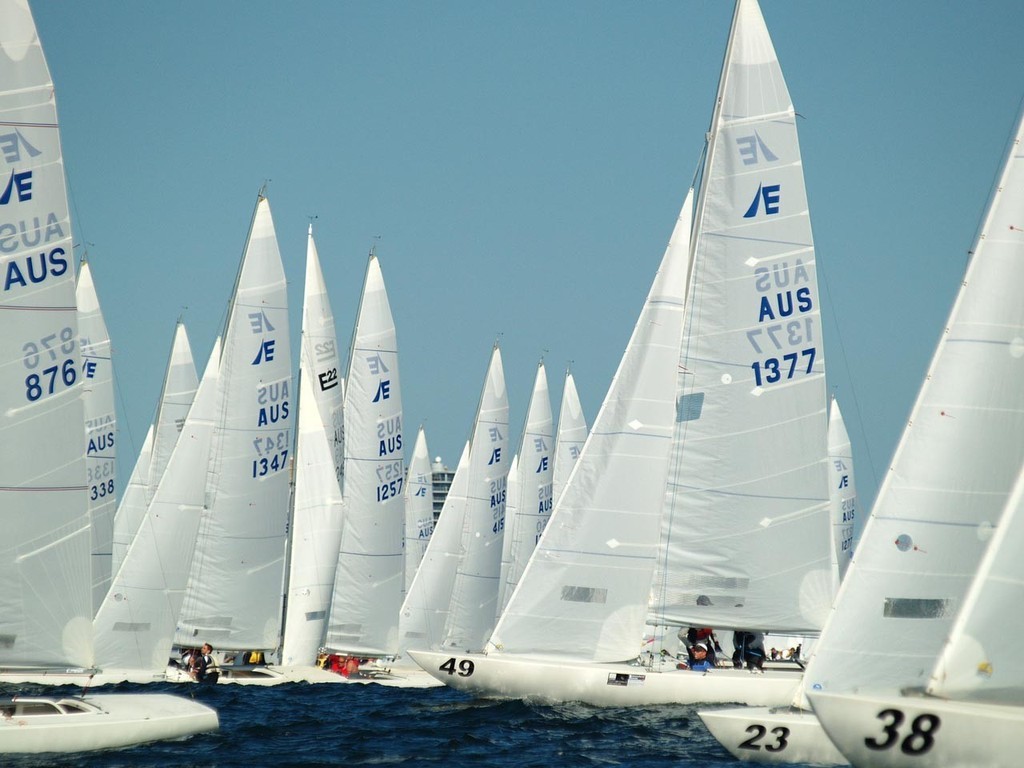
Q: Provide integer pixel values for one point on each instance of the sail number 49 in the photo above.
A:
(917, 742)
(463, 669)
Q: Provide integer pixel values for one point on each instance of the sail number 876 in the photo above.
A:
(774, 369)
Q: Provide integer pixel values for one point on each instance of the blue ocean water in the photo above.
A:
(370, 725)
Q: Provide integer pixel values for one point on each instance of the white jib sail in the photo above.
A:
(136, 622)
(585, 590)
(316, 498)
(176, 395)
(981, 660)
(425, 608)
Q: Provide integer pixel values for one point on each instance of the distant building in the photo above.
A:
(442, 477)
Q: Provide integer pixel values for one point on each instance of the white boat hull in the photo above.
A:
(606, 685)
(779, 735)
(79, 677)
(102, 721)
(892, 730)
(275, 675)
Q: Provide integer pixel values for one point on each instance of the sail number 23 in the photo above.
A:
(775, 743)
(462, 668)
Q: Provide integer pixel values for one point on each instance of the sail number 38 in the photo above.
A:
(919, 740)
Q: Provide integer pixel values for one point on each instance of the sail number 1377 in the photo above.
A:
(773, 369)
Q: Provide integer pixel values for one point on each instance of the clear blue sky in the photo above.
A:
(522, 164)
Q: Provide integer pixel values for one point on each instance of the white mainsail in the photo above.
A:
(748, 477)
(585, 590)
(425, 608)
(842, 495)
(45, 583)
(474, 594)
(100, 428)
(233, 598)
(368, 581)
(570, 435)
(176, 395)
(316, 499)
(529, 488)
(135, 624)
(419, 507)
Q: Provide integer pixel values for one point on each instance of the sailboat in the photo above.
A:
(529, 500)
(708, 459)
(46, 601)
(100, 428)
(176, 395)
(233, 597)
(948, 483)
